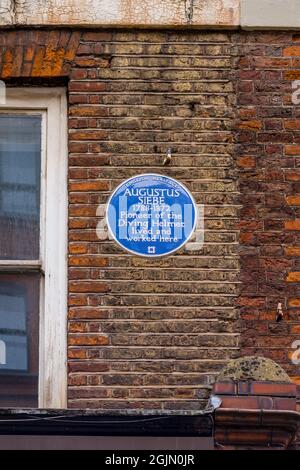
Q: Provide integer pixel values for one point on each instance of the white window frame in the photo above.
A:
(51, 104)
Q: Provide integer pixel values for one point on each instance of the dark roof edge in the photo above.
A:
(106, 423)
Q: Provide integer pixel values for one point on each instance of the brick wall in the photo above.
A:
(151, 333)
(268, 150)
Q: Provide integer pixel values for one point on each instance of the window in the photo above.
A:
(33, 247)
(20, 175)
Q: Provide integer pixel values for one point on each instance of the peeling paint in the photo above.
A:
(120, 12)
(6, 12)
(218, 12)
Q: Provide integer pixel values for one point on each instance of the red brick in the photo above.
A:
(251, 125)
(292, 75)
(77, 353)
(116, 119)
(292, 124)
(92, 62)
(236, 402)
(78, 248)
(246, 162)
(292, 225)
(97, 36)
(87, 111)
(292, 175)
(89, 135)
(273, 389)
(91, 260)
(88, 340)
(77, 380)
(85, 86)
(295, 330)
(88, 286)
(293, 150)
(294, 302)
(293, 251)
(271, 62)
(224, 388)
(90, 313)
(293, 201)
(293, 277)
(88, 367)
(251, 301)
(292, 51)
(89, 186)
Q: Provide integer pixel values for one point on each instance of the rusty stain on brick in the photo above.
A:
(52, 59)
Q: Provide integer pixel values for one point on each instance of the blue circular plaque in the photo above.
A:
(151, 215)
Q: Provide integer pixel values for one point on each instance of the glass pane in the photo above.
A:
(20, 169)
(19, 343)
(13, 332)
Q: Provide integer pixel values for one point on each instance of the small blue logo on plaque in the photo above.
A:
(151, 215)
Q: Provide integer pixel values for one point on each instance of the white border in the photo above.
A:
(140, 254)
(52, 104)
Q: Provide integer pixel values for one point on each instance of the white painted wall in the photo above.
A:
(260, 14)
(149, 13)
(6, 12)
(249, 14)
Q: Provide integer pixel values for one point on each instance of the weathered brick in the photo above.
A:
(292, 175)
(97, 36)
(88, 366)
(76, 353)
(77, 380)
(295, 330)
(293, 277)
(90, 313)
(246, 162)
(293, 150)
(293, 200)
(292, 51)
(88, 135)
(251, 125)
(142, 332)
(292, 124)
(293, 251)
(78, 248)
(45, 54)
(87, 111)
(268, 225)
(87, 62)
(294, 302)
(292, 225)
(88, 340)
(89, 186)
(88, 286)
(91, 260)
(85, 86)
